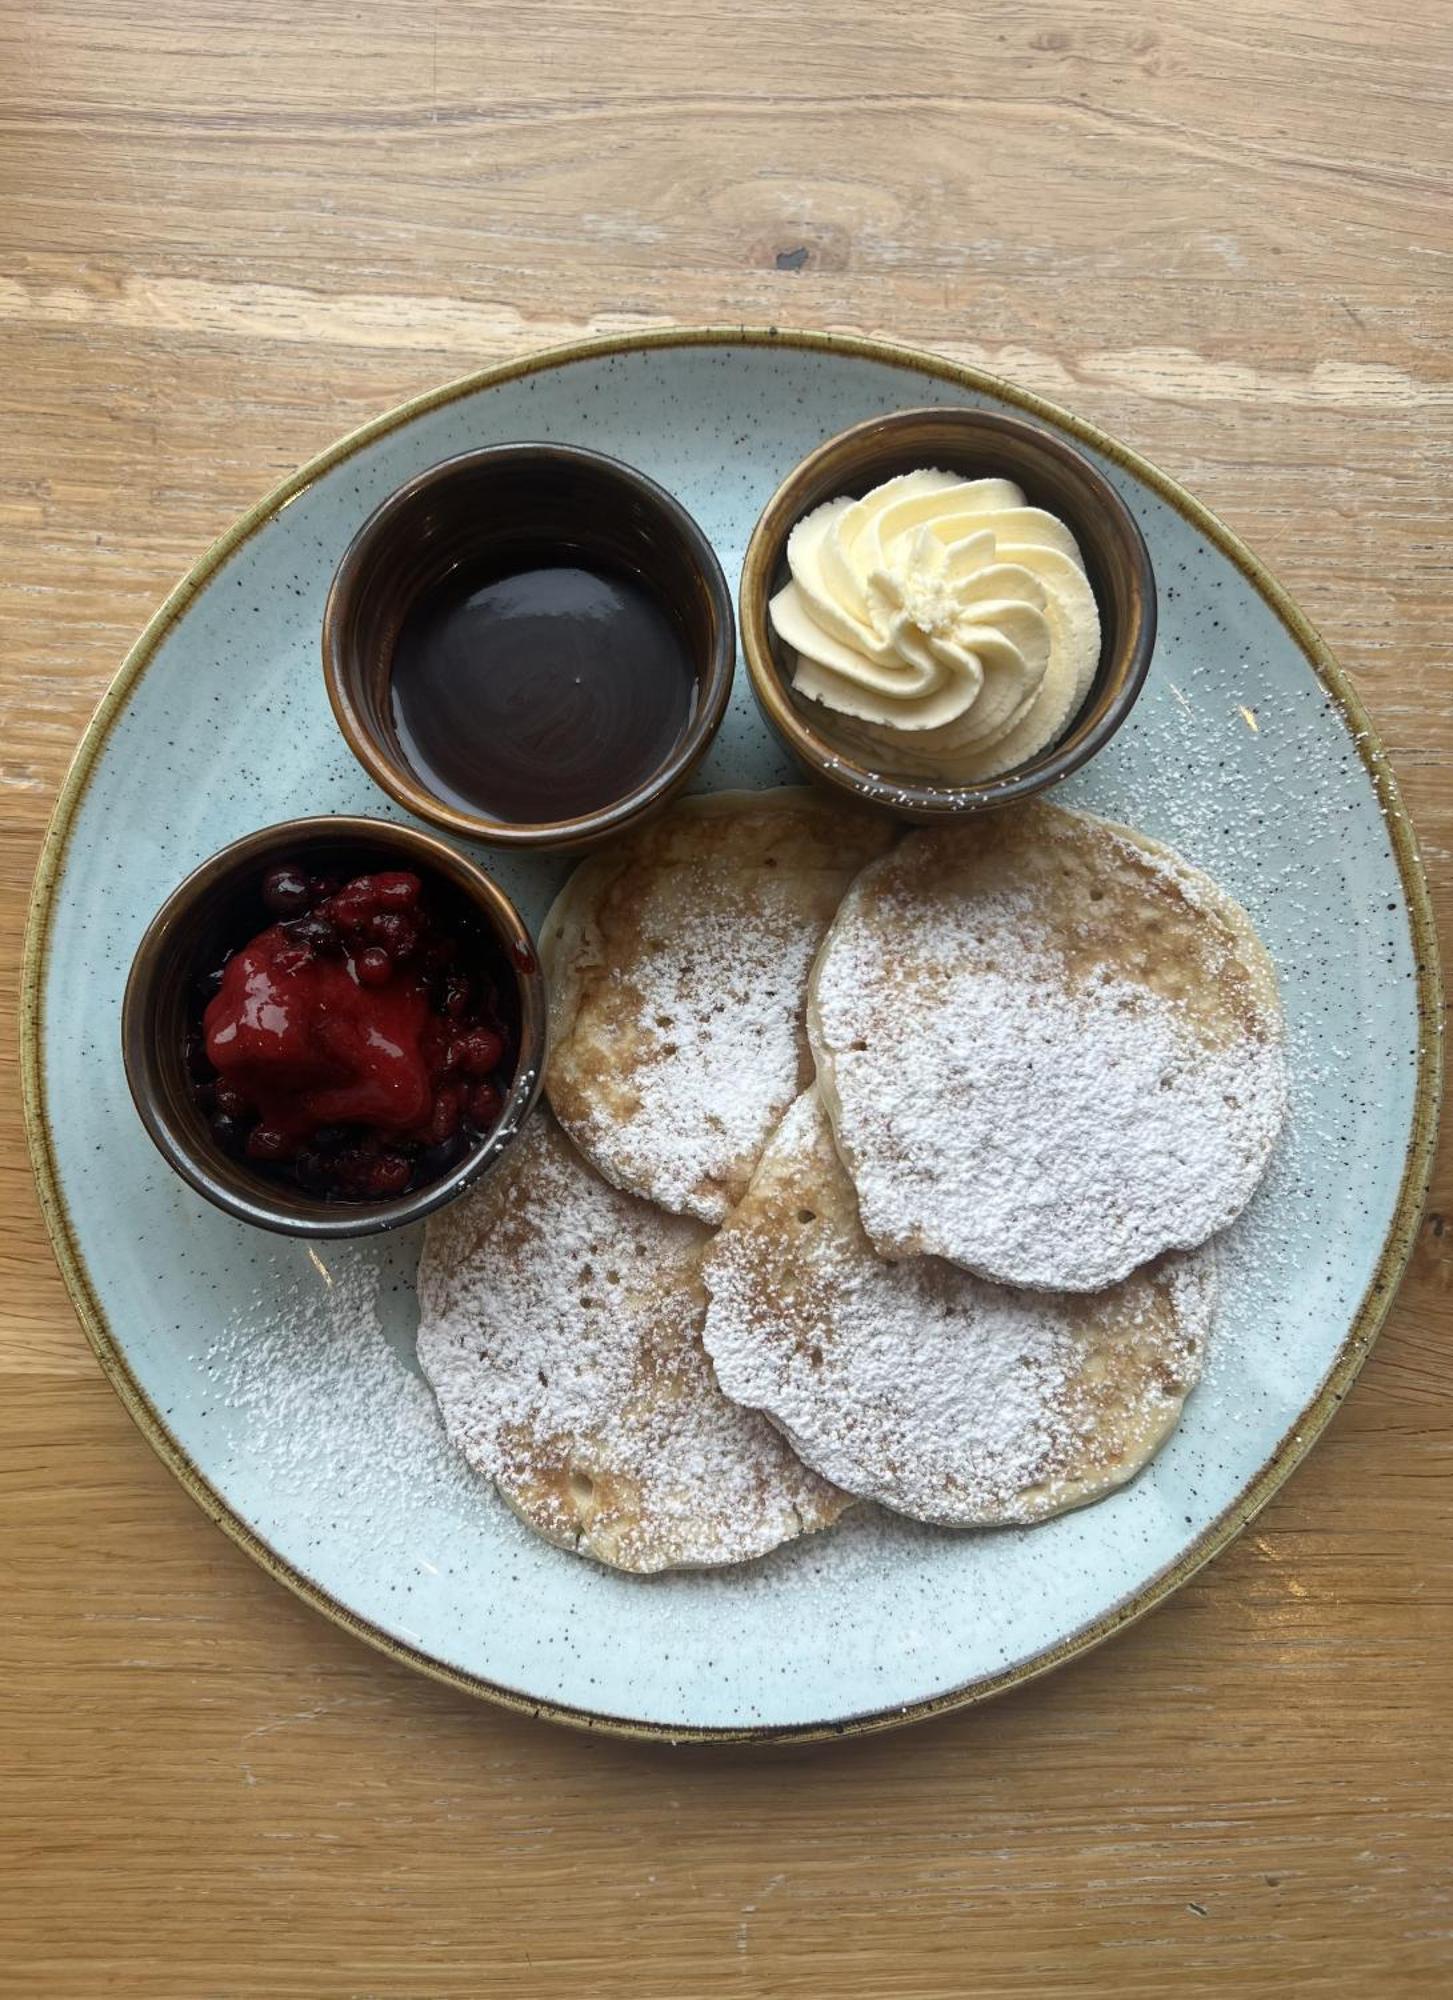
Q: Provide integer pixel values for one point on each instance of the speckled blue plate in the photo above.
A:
(280, 1385)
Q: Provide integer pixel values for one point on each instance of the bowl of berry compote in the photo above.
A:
(335, 1026)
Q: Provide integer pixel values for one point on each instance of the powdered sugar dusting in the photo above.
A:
(1035, 1127)
(559, 1327)
(722, 1002)
(324, 1400)
(679, 965)
(919, 1386)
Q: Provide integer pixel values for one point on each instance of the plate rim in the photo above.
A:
(1366, 1321)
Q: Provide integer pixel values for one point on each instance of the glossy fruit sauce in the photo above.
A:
(543, 694)
(358, 1040)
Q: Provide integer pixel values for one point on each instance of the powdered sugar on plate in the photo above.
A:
(322, 1397)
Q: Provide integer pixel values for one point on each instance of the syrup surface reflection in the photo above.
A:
(541, 694)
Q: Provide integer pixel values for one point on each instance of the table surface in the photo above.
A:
(227, 234)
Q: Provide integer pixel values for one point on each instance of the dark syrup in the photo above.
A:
(543, 694)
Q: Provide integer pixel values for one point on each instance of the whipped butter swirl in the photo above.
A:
(951, 625)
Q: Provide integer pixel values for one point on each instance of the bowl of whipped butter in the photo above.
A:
(945, 610)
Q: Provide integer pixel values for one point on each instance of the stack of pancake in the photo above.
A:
(880, 1165)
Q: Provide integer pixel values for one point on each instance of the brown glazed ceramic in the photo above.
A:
(190, 933)
(978, 444)
(495, 502)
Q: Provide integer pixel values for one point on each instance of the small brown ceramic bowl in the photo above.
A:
(975, 443)
(217, 908)
(516, 505)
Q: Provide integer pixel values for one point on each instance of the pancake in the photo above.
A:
(678, 964)
(919, 1386)
(1050, 1049)
(559, 1327)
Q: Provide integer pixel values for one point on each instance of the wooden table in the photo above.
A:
(229, 233)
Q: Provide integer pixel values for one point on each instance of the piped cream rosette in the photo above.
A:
(951, 625)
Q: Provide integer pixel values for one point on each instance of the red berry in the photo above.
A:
(447, 1061)
(231, 1101)
(398, 934)
(286, 890)
(388, 1175)
(352, 907)
(373, 965)
(444, 1117)
(485, 1105)
(482, 1051)
(395, 890)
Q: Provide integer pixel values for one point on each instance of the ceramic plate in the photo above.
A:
(280, 1384)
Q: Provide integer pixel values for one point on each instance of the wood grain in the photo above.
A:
(226, 235)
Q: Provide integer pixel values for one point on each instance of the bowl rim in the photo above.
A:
(914, 798)
(404, 784)
(281, 1213)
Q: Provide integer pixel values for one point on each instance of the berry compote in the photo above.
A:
(360, 1039)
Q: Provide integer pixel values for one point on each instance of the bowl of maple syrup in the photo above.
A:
(530, 645)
